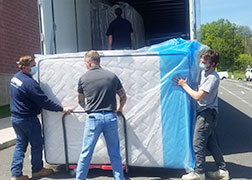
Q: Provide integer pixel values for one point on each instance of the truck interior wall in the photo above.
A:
(64, 13)
(99, 24)
(84, 25)
(71, 32)
(172, 21)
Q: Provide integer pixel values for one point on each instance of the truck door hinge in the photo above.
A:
(42, 37)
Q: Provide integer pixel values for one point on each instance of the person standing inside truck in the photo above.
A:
(99, 87)
(207, 108)
(26, 101)
(120, 32)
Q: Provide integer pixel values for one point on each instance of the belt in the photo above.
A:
(102, 112)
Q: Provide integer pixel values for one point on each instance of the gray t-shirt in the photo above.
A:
(209, 83)
(99, 87)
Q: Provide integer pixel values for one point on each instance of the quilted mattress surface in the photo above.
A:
(159, 116)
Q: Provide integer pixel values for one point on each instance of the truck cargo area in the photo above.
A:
(163, 19)
(79, 25)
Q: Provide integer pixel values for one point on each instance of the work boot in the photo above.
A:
(193, 176)
(219, 174)
(42, 172)
(23, 177)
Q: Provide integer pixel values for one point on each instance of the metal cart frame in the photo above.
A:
(66, 145)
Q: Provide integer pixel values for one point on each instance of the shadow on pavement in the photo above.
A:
(134, 172)
(239, 171)
(236, 171)
(161, 173)
(234, 129)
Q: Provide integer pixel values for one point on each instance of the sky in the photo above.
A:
(236, 11)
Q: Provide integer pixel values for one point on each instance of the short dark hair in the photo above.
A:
(211, 56)
(93, 56)
(118, 11)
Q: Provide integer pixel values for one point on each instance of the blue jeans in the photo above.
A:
(95, 124)
(205, 139)
(27, 130)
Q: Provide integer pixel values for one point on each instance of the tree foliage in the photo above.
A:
(225, 38)
(243, 62)
(246, 34)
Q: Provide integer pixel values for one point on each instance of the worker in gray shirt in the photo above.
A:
(204, 132)
(99, 87)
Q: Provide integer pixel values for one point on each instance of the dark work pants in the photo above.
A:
(205, 138)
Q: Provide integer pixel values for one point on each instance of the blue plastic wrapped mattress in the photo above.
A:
(159, 115)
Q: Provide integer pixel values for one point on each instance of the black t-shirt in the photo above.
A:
(99, 86)
(120, 29)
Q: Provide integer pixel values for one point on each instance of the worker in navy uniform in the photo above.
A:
(26, 101)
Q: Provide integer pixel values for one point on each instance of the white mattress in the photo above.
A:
(59, 75)
(158, 115)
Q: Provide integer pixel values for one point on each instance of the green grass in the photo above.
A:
(5, 111)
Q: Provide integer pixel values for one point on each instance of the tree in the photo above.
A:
(246, 34)
(223, 37)
(242, 62)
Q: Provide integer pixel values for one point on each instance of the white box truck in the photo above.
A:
(78, 25)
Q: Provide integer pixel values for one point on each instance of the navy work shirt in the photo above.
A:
(121, 30)
(27, 98)
(99, 87)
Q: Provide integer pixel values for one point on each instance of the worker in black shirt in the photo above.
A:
(120, 32)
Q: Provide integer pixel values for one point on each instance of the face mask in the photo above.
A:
(204, 67)
(34, 69)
